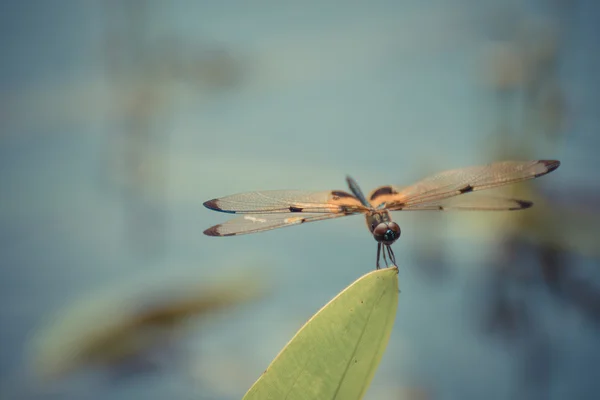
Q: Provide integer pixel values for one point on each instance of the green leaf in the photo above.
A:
(336, 353)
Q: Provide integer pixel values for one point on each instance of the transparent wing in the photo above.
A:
(472, 202)
(285, 201)
(264, 222)
(459, 181)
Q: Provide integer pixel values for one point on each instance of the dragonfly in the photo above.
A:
(272, 209)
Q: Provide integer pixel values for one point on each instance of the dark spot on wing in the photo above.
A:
(441, 208)
(339, 194)
(214, 205)
(295, 209)
(213, 231)
(550, 165)
(522, 204)
(466, 189)
(383, 190)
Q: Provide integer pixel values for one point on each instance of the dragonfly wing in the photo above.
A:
(285, 201)
(264, 222)
(384, 195)
(472, 202)
(459, 181)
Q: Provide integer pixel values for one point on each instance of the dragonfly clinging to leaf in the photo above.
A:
(266, 210)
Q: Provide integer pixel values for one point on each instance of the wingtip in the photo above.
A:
(523, 204)
(212, 231)
(550, 165)
(216, 231)
(212, 205)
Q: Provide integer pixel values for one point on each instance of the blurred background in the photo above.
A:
(119, 118)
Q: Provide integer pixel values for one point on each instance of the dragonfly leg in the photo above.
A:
(378, 253)
(391, 254)
(384, 257)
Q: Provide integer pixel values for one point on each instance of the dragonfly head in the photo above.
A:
(386, 232)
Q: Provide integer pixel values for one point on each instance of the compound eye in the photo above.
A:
(386, 232)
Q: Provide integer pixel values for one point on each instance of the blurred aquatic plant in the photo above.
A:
(522, 61)
(545, 251)
(117, 331)
(142, 71)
